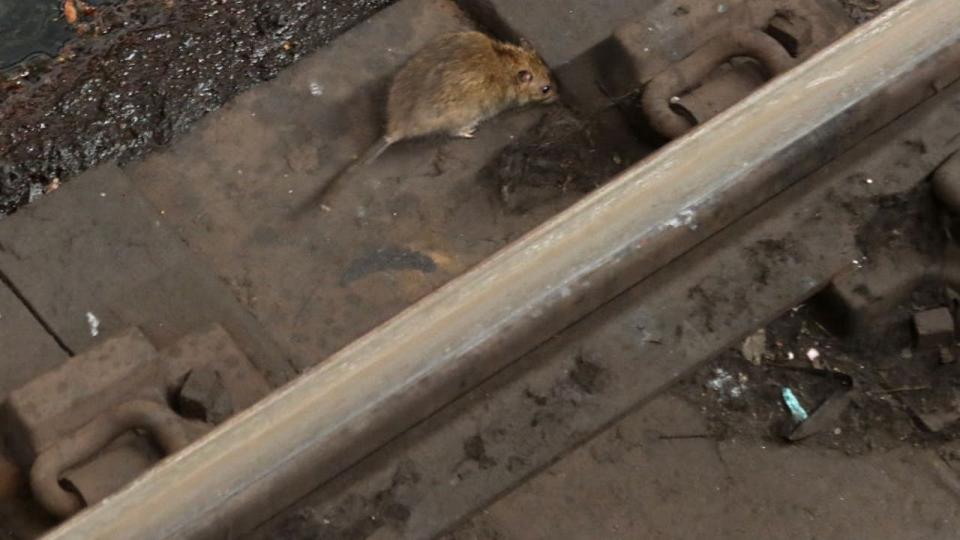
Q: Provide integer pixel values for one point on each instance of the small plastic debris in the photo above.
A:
(726, 384)
(815, 359)
(721, 380)
(754, 348)
(36, 191)
(94, 324)
(797, 411)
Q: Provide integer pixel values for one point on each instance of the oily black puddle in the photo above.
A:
(133, 74)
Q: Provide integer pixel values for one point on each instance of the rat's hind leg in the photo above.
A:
(468, 131)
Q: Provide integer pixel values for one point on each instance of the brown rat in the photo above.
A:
(452, 85)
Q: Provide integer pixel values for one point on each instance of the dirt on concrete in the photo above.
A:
(140, 72)
(562, 154)
(864, 10)
(382, 509)
(710, 457)
(651, 476)
(895, 391)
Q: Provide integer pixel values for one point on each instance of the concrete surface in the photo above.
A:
(95, 259)
(638, 480)
(27, 347)
(573, 28)
(232, 186)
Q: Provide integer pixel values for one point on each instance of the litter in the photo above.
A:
(797, 411)
(815, 360)
(94, 323)
(725, 383)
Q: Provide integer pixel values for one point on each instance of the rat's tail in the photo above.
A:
(368, 157)
(375, 150)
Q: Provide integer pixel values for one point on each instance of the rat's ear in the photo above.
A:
(526, 44)
(525, 76)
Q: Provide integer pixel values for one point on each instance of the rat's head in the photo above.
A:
(533, 80)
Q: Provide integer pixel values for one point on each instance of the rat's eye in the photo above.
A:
(545, 89)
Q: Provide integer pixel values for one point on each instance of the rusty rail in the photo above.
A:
(380, 385)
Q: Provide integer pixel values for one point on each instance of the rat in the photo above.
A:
(453, 84)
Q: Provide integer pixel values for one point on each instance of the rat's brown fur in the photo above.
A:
(452, 85)
(460, 80)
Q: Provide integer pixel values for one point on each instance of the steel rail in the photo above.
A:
(396, 375)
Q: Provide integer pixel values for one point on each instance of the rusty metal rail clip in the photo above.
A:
(664, 90)
(163, 425)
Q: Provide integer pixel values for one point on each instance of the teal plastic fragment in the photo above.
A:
(796, 409)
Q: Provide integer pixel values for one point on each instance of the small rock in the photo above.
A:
(754, 347)
(933, 328)
(204, 397)
(946, 356)
(937, 421)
